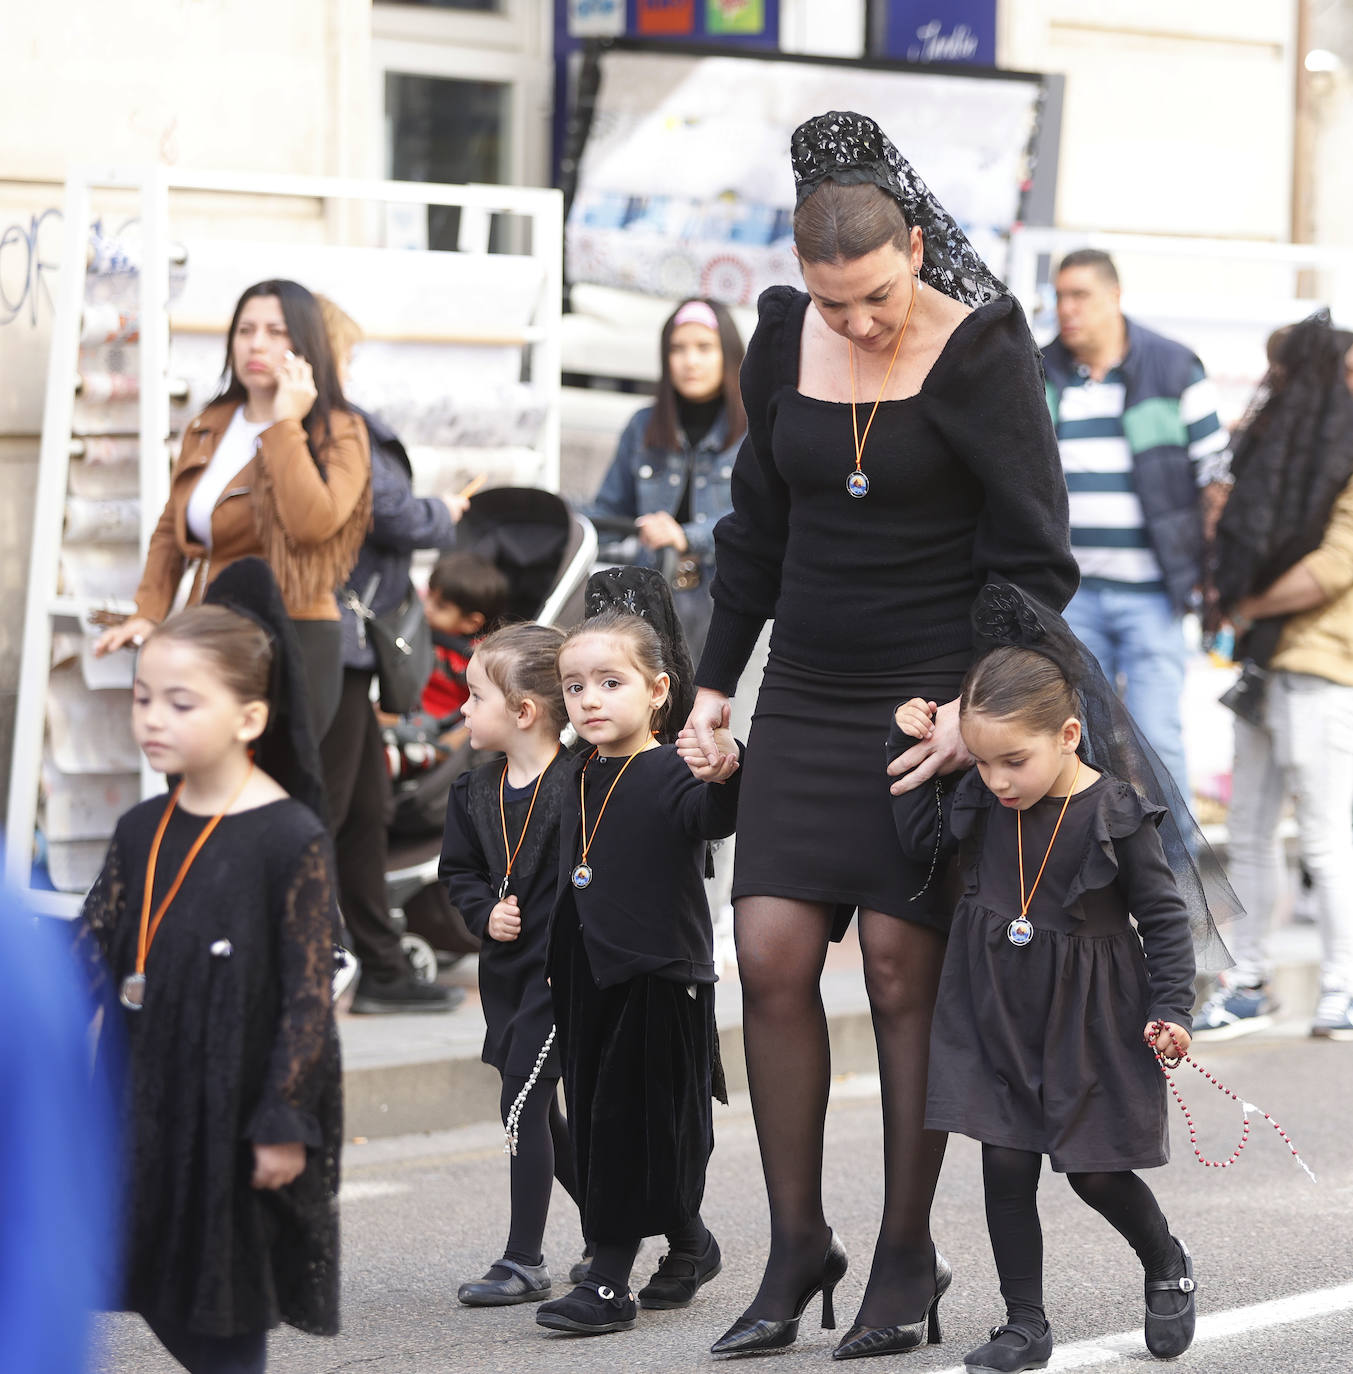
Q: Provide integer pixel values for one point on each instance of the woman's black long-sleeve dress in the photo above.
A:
(235, 1045)
(870, 597)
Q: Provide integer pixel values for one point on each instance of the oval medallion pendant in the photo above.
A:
(582, 875)
(132, 993)
(1019, 931)
(857, 484)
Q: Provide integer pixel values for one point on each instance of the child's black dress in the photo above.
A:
(1039, 1047)
(235, 1045)
(518, 1014)
(632, 973)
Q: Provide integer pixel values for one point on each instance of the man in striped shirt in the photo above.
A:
(1141, 443)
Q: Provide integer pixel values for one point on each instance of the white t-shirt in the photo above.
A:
(232, 454)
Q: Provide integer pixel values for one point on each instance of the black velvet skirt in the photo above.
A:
(637, 1082)
(814, 820)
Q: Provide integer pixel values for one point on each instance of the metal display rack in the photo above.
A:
(52, 608)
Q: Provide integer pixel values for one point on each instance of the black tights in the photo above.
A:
(781, 948)
(543, 1155)
(1121, 1198)
(612, 1262)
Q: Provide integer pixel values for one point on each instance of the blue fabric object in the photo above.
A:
(400, 523)
(59, 1158)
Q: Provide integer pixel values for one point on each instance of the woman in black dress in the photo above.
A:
(899, 453)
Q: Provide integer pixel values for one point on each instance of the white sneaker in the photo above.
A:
(1334, 1016)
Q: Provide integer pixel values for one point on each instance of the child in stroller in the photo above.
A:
(545, 551)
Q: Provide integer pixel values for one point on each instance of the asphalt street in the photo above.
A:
(1274, 1262)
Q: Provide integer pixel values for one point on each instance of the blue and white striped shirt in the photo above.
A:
(1108, 531)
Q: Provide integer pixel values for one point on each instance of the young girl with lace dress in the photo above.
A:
(631, 955)
(1050, 1003)
(500, 862)
(215, 917)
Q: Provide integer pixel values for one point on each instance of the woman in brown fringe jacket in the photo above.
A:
(276, 466)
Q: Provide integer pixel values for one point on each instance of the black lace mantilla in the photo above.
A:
(851, 149)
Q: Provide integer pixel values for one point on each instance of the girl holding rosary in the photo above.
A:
(1050, 1002)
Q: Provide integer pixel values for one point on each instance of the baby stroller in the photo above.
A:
(545, 550)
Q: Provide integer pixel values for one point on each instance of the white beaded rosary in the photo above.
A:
(515, 1111)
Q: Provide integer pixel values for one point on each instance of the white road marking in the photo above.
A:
(359, 1191)
(1212, 1326)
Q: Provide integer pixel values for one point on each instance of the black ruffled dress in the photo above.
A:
(235, 1044)
(1039, 1047)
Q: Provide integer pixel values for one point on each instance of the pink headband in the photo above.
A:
(696, 312)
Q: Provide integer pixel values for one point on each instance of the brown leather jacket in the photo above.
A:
(309, 527)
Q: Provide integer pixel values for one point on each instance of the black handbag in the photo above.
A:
(402, 641)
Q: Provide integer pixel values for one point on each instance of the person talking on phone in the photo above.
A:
(277, 466)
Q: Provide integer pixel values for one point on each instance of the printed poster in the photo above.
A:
(672, 18)
(735, 16)
(596, 18)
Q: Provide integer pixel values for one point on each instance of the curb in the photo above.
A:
(445, 1092)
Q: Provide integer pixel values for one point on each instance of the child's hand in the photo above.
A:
(505, 921)
(1170, 1041)
(916, 718)
(698, 761)
(277, 1165)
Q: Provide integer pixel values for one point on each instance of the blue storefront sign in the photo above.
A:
(941, 31)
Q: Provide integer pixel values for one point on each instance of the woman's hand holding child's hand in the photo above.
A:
(505, 921)
(941, 751)
(697, 759)
(1171, 1041)
(277, 1165)
(916, 718)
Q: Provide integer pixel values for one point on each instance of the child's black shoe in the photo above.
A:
(1169, 1328)
(1010, 1350)
(513, 1284)
(680, 1275)
(590, 1310)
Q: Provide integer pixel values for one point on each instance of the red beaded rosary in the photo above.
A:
(1246, 1107)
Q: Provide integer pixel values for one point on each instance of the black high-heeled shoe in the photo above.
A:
(749, 1335)
(862, 1341)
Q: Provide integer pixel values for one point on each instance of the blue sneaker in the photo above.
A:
(1234, 1011)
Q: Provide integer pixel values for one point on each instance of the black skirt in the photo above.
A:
(814, 821)
(637, 1082)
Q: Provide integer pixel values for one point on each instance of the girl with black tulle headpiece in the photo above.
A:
(215, 917)
(899, 453)
(1051, 1001)
(631, 960)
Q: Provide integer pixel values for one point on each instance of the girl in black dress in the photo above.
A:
(631, 958)
(500, 862)
(1048, 992)
(215, 916)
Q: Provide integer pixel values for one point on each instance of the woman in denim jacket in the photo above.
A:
(674, 460)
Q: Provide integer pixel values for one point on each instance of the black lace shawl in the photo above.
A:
(1292, 458)
(851, 149)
